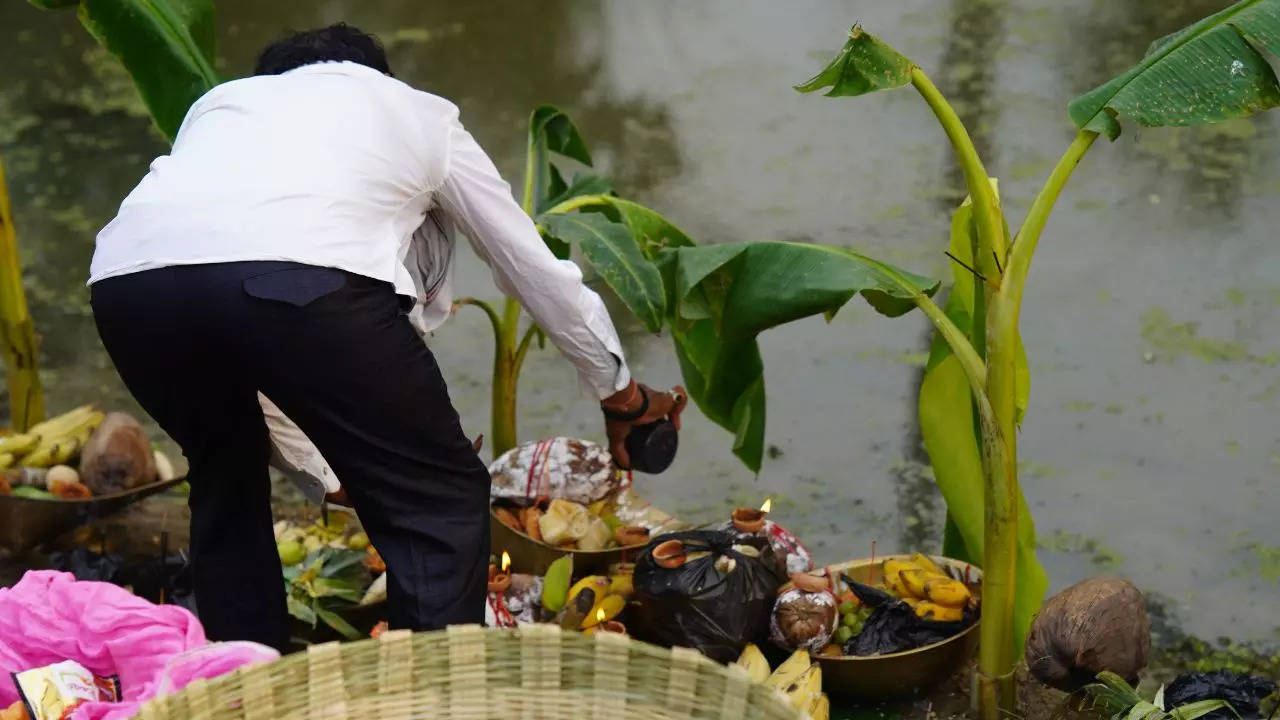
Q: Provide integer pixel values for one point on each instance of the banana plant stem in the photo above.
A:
(1024, 245)
(1000, 494)
(986, 207)
(17, 332)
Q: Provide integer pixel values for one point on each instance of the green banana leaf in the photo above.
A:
(167, 46)
(721, 297)
(551, 133)
(863, 65)
(609, 248)
(1213, 70)
(949, 428)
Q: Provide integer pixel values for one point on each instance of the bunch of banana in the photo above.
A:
(799, 679)
(923, 585)
(592, 601)
(52, 442)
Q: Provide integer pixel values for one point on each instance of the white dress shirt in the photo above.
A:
(337, 165)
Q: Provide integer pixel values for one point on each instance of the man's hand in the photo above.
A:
(629, 402)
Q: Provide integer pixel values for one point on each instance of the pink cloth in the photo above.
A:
(50, 616)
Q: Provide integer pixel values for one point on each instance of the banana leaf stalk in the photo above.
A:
(17, 331)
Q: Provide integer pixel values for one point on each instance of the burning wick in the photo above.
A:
(499, 581)
(751, 520)
(606, 626)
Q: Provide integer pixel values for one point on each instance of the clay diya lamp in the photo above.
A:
(500, 580)
(748, 520)
(608, 626)
(669, 554)
(631, 535)
(810, 583)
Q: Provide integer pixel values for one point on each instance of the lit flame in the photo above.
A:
(506, 561)
(767, 505)
(600, 616)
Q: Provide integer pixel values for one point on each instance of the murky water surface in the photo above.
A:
(1151, 446)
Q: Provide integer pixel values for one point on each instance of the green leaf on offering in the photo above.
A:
(301, 610)
(335, 621)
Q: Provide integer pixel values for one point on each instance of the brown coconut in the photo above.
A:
(1099, 624)
(117, 456)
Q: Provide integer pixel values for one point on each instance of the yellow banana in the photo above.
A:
(926, 563)
(821, 708)
(892, 576)
(789, 671)
(606, 609)
(62, 423)
(914, 581)
(804, 691)
(599, 583)
(19, 444)
(6, 461)
(753, 661)
(41, 457)
(948, 592)
(938, 613)
(622, 584)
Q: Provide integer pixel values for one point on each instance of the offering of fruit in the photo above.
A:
(799, 679)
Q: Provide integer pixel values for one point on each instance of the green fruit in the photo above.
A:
(555, 584)
(291, 552)
(33, 493)
(850, 620)
(359, 541)
(848, 606)
(843, 634)
(312, 543)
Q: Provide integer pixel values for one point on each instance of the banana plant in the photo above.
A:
(976, 382)
(166, 45)
(168, 48)
(18, 349)
(714, 300)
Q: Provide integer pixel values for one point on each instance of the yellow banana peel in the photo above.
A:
(754, 662)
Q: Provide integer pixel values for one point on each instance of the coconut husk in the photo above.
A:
(1099, 624)
(117, 457)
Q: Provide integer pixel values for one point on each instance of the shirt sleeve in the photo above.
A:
(574, 317)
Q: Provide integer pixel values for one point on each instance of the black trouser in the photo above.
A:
(195, 343)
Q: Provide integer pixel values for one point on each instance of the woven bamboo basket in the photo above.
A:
(471, 673)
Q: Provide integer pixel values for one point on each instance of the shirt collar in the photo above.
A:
(345, 67)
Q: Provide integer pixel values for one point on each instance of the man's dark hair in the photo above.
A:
(335, 43)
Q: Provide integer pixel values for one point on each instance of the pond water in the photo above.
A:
(1151, 446)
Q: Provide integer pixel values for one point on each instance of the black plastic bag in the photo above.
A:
(893, 625)
(1244, 692)
(85, 564)
(715, 603)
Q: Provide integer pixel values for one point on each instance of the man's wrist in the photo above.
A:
(625, 400)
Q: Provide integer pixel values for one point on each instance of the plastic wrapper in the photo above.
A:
(564, 468)
(627, 508)
(521, 603)
(1244, 692)
(803, 619)
(716, 602)
(893, 625)
(54, 691)
(791, 553)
